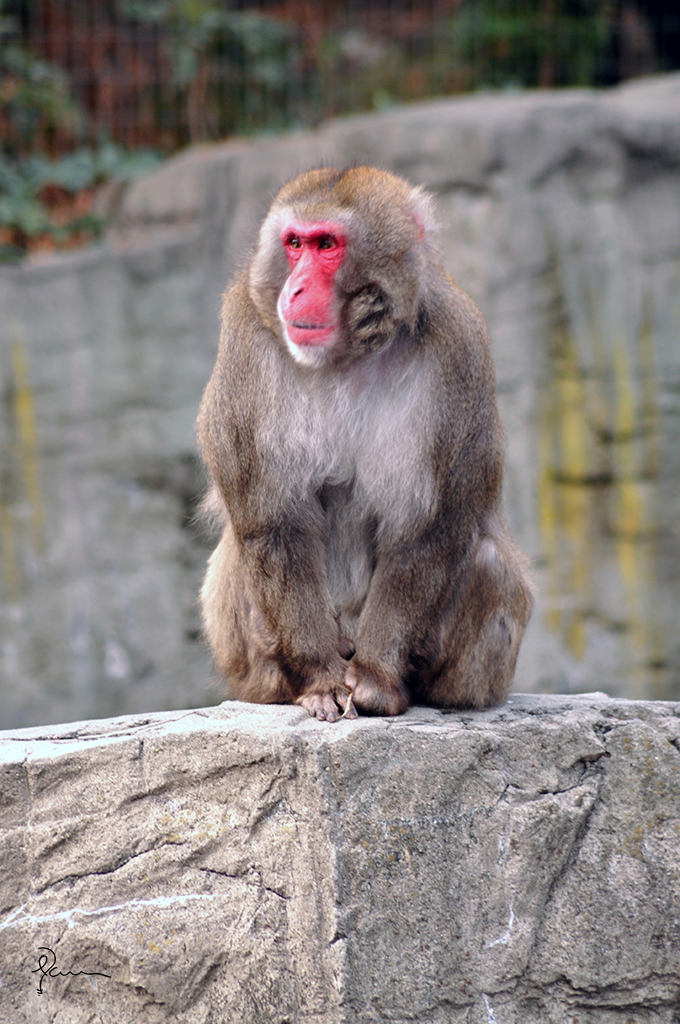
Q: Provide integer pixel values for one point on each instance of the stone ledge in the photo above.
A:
(247, 863)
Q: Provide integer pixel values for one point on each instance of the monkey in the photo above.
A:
(355, 454)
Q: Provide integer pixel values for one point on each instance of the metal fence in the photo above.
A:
(167, 72)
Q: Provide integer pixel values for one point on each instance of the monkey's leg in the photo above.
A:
(482, 629)
(238, 637)
(376, 690)
(244, 648)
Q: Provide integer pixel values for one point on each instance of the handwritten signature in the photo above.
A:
(49, 969)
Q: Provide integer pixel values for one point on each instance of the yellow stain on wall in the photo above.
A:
(548, 513)
(21, 475)
(10, 565)
(598, 452)
(635, 455)
(564, 497)
(574, 463)
(24, 411)
(650, 404)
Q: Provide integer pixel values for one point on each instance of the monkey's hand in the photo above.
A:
(375, 689)
(327, 700)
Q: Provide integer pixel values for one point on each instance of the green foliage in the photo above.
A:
(25, 213)
(195, 29)
(530, 42)
(39, 196)
(232, 69)
(87, 167)
(239, 71)
(35, 96)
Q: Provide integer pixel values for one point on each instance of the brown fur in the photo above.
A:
(364, 546)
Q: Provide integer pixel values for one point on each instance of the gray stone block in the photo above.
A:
(247, 863)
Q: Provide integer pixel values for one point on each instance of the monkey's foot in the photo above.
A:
(376, 690)
(329, 707)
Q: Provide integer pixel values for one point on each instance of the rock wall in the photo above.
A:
(246, 863)
(560, 213)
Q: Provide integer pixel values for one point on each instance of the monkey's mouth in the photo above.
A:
(309, 334)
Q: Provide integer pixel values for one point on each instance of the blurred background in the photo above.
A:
(549, 131)
(115, 84)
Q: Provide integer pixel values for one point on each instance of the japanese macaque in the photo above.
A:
(355, 451)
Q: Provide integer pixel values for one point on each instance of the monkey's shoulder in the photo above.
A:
(248, 343)
(452, 328)
(238, 375)
(449, 305)
(240, 316)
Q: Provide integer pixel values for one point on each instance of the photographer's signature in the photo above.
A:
(47, 966)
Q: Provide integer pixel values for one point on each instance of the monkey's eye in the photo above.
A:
(326, 242)
(294, 242)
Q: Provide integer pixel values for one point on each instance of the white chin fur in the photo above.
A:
(306, 355)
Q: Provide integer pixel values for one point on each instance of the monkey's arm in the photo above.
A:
(279, 527)
(398, 628)
(420, 566)
(286, 555)
(283, 579)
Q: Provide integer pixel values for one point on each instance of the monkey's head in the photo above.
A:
(339, 264)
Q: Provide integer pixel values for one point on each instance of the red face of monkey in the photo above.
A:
(356, 260)
(307, 305)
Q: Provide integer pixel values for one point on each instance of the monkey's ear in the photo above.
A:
(422, 212)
